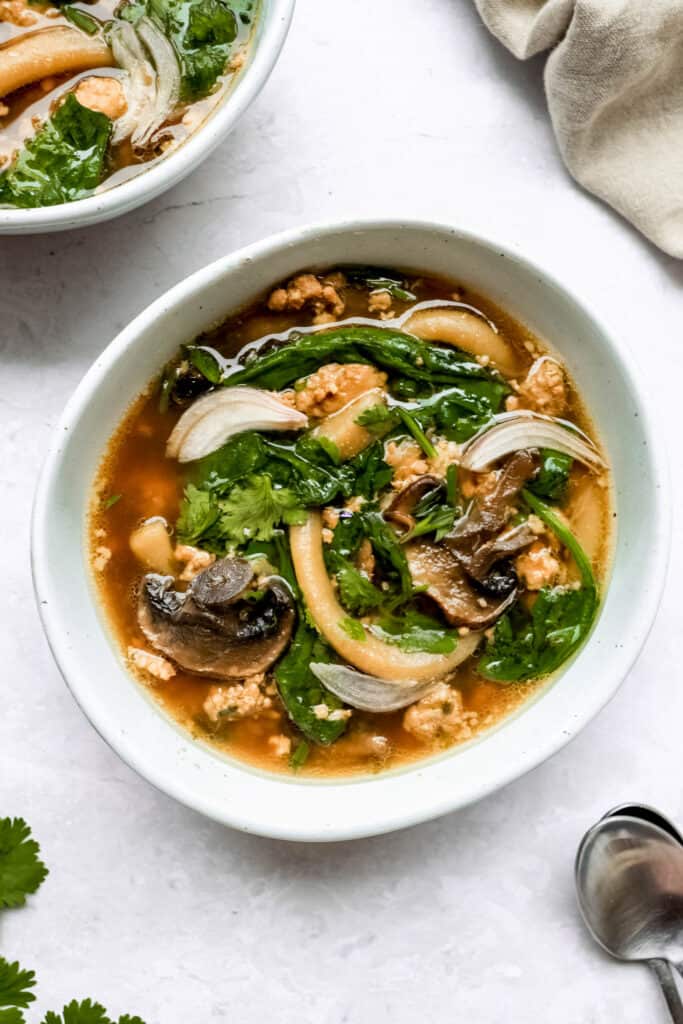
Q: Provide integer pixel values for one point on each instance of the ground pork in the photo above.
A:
(104, 94)
(17, 12)
(322, 296)
(447, 454)
(240, 700)
(281, 745)
(545, 388)
(194, 559)
(380, 302)
(333, 386)
(538, 566)
(154, 664)
(102, 557)
(408, 461)
(440, 716)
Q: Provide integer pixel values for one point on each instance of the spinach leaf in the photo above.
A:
(530, 645)
(413, 631)
(381, 280)
(63, 162)
(301, 691)
(369, 472)
(201, 32)
(394, 351)
(553, 476)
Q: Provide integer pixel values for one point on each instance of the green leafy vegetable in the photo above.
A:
(369, 472)
(15, 986)
(392, 350)
(21, 869)
(529, 645)
(389, 552)
(553, 476)
(202, 33)
(254, 510)
(81, 20)
(395, 289)
(379, 419)
(63, 162)
(434, 513)
(199, 512)
(112, 500)
(413, 631)
(301, 691)
(206, 361)
(356, 592)
(418, 433)
(299, 755)
(380, 280)
(354, 629)
(86, 1012)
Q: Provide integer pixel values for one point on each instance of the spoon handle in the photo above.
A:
(665, 977)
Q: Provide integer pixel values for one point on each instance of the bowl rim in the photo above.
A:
(276, 18)
(436, 804)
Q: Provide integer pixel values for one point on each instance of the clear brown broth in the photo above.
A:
(135, 466)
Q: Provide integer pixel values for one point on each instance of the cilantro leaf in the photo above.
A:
(354, 629)
(357, 594)
(15, 985)
(63, 162)
(21, 870)
(85, 1012)
(12, 1016)
(255, 509)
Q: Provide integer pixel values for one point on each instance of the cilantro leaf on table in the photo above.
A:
(21, 869)
(63, 162)
(87, 1012)
(15, 986)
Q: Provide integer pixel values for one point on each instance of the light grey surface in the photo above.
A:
(387, 108)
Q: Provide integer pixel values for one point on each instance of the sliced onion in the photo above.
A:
(515, 431)
(212, 419)
(368, 693)
(372, 655)
(167, 81)
(152, 86)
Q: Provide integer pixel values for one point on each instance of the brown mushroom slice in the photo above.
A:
(479, 563)
(211, 629)
(489, 513)
(52, 51)
(434, 567)
(400, 510)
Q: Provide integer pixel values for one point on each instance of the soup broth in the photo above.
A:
(496, 562)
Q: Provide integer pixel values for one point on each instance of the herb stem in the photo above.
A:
(565, 535)
(418, 433)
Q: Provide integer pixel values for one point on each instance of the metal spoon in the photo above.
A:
(646, 813)
(629, 882)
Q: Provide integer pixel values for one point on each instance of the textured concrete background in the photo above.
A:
(382, 108)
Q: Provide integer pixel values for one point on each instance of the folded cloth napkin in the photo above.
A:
(614, 82)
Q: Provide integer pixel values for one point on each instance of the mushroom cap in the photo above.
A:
(212, 629)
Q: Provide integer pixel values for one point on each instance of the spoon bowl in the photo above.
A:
(629, 881)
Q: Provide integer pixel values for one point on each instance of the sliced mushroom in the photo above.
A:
(401, 509)
(52, 51)
(212, 629)
(434, 567)
(489, 513)
(478, 563)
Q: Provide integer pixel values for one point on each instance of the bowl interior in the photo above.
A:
(236, 794)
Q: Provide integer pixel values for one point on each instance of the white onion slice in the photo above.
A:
(167, 80)
(368, 693)
(152, 86)
(212, 419)
(515, 431)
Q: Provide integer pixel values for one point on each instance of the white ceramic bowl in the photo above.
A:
(288, 807)
(271, 32)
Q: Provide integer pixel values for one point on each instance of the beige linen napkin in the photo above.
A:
(614, 82)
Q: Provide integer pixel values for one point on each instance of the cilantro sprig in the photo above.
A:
(21, 869)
